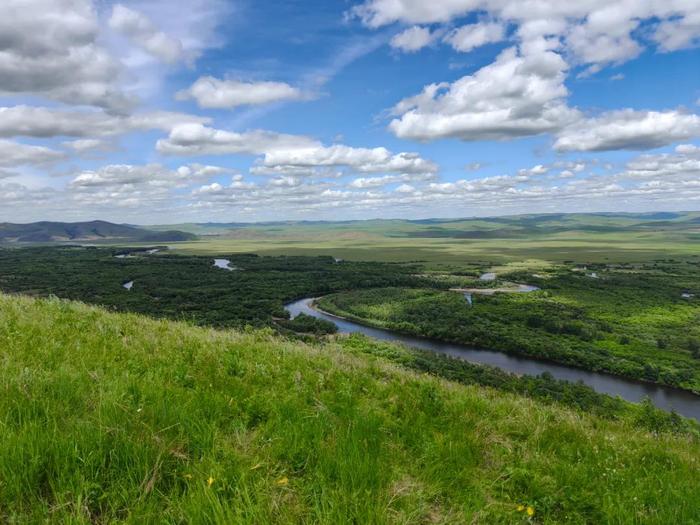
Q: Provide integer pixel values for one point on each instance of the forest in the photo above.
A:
(190, 287)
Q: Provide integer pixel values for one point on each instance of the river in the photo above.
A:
(667, 398)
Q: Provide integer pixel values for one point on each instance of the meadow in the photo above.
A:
(119, 418)
(538, 240)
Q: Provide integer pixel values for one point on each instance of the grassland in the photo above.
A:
(119, 418)
(538, 239)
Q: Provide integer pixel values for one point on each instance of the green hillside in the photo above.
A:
(119, 418)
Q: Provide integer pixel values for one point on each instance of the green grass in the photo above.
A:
(119, 418)
(626, 247)
(448, 242)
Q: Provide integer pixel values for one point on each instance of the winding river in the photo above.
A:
(667, 398)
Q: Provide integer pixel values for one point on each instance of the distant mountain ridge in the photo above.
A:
(47, 231)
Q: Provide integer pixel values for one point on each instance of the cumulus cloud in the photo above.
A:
(471, 36)
(140, 30)
(679, 33)
(42, 122)
(378, 182)
(288, 154)
(84, 145)
(594, 32)
(366, 160)
(412, 39)
(213, 93)
(629, 130)
(196, 139)
(518, 95)
(155, 175)
(50, 48)
(15, 154)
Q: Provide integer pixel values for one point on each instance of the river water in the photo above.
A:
(224, 264)
(667, 398)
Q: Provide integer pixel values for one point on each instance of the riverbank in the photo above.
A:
(667, 398)
(637, 326)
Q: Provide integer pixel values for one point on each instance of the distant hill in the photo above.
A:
(45, 231)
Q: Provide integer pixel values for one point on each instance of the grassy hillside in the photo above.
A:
(116, 417)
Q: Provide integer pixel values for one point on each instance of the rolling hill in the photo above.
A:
(44, 232)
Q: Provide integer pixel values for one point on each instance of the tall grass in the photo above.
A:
(119, 418)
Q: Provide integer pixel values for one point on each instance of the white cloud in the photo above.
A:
(595, 32)
(154, 175)
(210, 92)
(412, 39)
(31, 121)
(471, 36)
(516, 96)
(628, 129)
(366, 160)
(83, 145)
(378, 182)
(289, 154)
(196, 139)
(50, 48)
(377, 13)
(679, 33)
(141, 31)
(15, 154)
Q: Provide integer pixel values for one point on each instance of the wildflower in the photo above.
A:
(283, 481)
(521, 508)
(210, 481)
(530, 511)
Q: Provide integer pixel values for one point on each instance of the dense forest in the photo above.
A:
(191, 287)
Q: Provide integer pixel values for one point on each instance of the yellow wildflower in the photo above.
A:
(210, 481)
(530, 511)
(521, 508)
(283, 481)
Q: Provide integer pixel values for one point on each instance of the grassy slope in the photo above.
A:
(107, 417)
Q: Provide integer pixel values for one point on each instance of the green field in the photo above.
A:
(539, 239)
(110, 418)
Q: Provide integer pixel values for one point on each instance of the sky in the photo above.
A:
(156, 112)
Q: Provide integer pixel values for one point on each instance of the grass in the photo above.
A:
(539, 239)
(119, 418)
(445, 252)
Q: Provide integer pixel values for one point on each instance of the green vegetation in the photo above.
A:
(93, 231)
(118, 418)
(306, 324)
(454, 243)
(631, 320)
(543, 388)
(189, 287)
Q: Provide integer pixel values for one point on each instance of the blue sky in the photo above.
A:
(231, 110)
